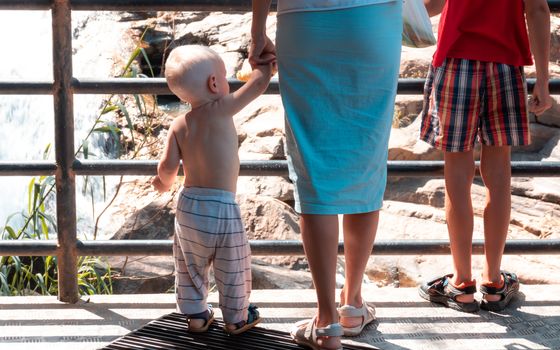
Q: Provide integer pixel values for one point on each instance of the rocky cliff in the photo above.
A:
(413, 208)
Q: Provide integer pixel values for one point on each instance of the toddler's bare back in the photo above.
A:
(208, 145)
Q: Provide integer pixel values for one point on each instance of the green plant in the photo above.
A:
(38, 275)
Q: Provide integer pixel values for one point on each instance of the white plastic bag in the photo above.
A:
(417, 28)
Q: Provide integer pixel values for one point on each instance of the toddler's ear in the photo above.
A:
(212, 84)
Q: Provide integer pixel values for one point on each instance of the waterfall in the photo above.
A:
(27, 122)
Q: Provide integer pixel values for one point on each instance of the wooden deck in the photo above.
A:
(405, 321)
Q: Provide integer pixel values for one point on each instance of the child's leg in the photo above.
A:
(191, 285)
(359, 235)
(496, 173)
(459, 174)
(232, 268)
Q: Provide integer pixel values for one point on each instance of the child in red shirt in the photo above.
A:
(476, 90)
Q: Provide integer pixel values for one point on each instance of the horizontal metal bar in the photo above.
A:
(422, 168)
(27, 168)
(26, 87)
(133, 5)
(396, 168)
(267, 247)
(149, 167)
(28, 248)
(293, 247)
(158, 86)
(150, 5)
(25, 4)
(280, 168)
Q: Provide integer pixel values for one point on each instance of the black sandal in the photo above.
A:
(441, 291)
(506, 293)
(253, 318)
(207, 316)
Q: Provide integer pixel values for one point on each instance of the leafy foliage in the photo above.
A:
(39, 275)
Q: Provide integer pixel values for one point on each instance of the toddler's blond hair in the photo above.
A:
(187, 70)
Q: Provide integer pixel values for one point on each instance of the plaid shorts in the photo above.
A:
(466, 99)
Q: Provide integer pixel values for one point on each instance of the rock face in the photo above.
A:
(413, 207)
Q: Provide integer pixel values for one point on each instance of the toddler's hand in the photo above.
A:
(244, 74)
(158, 185)
(267, 70)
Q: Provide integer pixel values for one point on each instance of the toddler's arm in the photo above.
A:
(255, 86)
(168, 164)
(434, 7)
(538, 23)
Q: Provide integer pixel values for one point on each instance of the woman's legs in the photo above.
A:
(359, 235)
(459, 174)
(320, 241)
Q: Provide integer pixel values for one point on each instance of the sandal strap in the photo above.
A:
(332, 330)
(509, 280)
(351, 311)
(444, 287)
(204, 315)
(454, 291)
(252, 315)
(312, 331)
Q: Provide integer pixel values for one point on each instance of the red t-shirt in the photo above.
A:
(484, 30)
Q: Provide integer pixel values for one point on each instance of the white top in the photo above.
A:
(286, 6)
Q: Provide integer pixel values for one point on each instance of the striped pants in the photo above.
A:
(209, 231)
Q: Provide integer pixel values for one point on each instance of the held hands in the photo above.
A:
(540, 100)
(262, 54)
(266, 70)
(268, 67)
(261, 51)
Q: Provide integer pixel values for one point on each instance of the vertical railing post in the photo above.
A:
(64, 144)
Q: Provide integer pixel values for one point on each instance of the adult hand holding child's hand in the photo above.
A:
(261, 51)
(245, 72)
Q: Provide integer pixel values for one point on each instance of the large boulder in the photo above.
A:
(405, 145)
(142, 275)
(267, 218)
(267, 276)
(414, 208)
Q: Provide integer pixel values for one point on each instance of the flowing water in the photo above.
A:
(27, 122)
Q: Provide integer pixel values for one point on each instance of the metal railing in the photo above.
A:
(65, 168)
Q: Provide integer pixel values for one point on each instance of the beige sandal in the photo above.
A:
(366, 312)
(306, 333)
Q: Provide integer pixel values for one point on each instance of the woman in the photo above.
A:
(338, 64)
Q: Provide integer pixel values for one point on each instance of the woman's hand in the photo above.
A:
(261, 51)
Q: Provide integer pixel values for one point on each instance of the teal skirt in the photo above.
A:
(338, 74)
